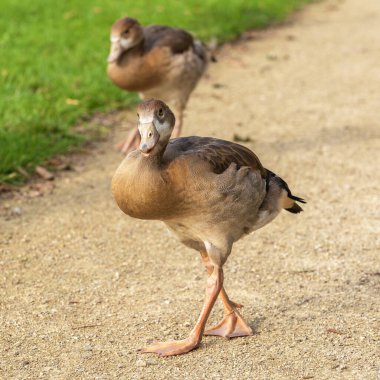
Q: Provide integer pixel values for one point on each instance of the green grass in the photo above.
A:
(52, 52)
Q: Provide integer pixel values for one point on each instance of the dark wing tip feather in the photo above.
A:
(295, 209)
(301, 200)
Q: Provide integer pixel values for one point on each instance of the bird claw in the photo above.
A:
(173, 347)
(231, 326)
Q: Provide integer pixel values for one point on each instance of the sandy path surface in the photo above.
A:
(82, 286)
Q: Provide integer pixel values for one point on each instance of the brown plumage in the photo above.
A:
(219, 153)
(209, 193)
(156, 61)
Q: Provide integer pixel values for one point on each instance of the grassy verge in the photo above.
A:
(53, 62)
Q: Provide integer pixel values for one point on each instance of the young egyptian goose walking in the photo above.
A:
(210, 193)
(157, 62)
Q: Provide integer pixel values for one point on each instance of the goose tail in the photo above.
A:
(287, 200)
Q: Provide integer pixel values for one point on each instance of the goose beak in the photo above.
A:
(149, 137)
(116, 50)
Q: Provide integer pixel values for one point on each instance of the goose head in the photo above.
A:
(155, 125)
(126, 33)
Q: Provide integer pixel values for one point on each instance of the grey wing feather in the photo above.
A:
(177, 40)
(220, 154)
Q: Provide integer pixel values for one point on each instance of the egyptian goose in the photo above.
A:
(210, 193)
(157, 62)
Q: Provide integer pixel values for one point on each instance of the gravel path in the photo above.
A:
(83, 286)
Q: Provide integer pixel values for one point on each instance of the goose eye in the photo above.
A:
(160, 112)
(150, 134)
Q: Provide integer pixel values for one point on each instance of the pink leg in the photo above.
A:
(214, 284)
(233, 324)
(131, 143)
(178, 124)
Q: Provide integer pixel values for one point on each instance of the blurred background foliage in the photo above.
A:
(53, 62)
